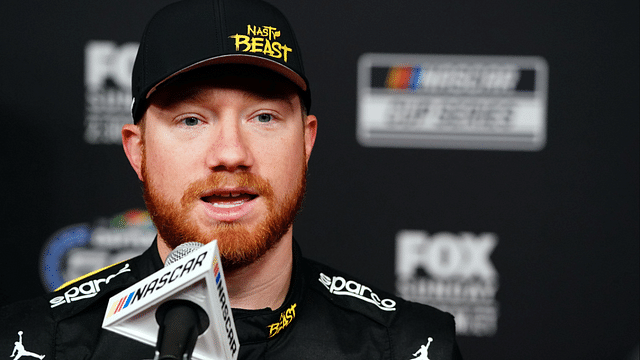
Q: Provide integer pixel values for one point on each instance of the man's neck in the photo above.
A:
(263, 284)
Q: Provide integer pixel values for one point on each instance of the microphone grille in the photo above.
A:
(181, 251)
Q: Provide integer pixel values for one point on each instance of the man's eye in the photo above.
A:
(191, 121)
(264, 118)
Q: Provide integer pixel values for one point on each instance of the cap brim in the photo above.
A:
(239, 59)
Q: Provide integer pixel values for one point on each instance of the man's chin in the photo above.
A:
(238, 246)
(237, 251)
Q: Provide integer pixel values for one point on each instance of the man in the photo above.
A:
(220, 141)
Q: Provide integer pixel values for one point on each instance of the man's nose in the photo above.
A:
(229, 150)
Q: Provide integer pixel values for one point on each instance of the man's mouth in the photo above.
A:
(229, 199)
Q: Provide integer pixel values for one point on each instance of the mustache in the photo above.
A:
(254, 182)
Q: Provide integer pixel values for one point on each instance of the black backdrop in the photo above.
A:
(566, 217)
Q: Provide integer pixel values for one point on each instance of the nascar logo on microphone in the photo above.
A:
(226, 312)
(196, 277)
(157, 284)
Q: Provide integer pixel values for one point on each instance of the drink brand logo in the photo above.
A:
(155, 284)
(87, 290)
(339, 286)
(108, 68)
(286, 317)
(262, 39)
(453, 273)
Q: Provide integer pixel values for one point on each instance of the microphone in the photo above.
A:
(182, 309)
(180, 321)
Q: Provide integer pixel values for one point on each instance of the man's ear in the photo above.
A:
(310, 131)
(133, 146)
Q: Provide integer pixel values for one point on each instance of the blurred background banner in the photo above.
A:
(455, 102)
(482, 158)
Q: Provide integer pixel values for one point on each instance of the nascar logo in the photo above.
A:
(155, 284)
(226, 312)
(455, 78)
(452, 101)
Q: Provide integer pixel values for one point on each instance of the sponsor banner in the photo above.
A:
(82, 248)
(453, 273)
(452, 101)
(108, 68)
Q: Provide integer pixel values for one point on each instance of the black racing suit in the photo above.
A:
(326, 315)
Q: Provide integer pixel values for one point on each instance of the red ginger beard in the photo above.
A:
(238, 245)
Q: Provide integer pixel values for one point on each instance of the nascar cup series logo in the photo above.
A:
(460, 102)
(263, 40)
(453, 273)
(108, 68)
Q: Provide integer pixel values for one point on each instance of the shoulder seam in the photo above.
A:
(348, 300)
(70, 282)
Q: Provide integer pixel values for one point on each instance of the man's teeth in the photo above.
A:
(227, 204)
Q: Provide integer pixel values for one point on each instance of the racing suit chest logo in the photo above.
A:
(338, 285)
(286, 317)
(86, 290)
(19, 350)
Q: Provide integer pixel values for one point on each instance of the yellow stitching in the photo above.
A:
(87, 275)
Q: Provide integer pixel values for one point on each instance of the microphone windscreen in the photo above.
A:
(181, 251)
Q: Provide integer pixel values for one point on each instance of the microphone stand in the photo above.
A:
(181, 322)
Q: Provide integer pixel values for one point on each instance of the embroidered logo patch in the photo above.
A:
(286, 317)
(86, 290)
(19, 350)
(340, 286)
(262, 39)
(423, 352)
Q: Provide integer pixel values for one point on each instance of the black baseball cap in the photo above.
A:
(191, 34)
